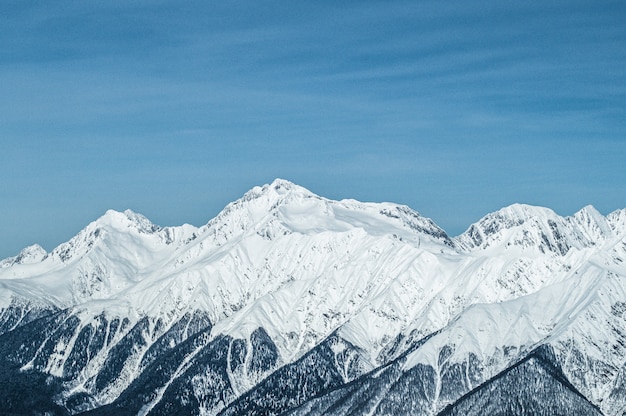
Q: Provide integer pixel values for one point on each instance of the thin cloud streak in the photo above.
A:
(437, 105)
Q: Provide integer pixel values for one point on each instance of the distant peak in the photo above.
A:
(617, 221)
(491, 229)
(111, 216)
(31, 254)
(278, 189)
(589, 214)
(127, 219)
(524, 212)
(589, 208)
(283, 186)
(590, 211)
(538, 227)
(35, 248)
(279, 183)
(592, 223)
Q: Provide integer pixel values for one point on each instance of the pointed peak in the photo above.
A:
(31, 254)
(617, 215)
(127, 219)
(589, 213)
(279, 183)
(260, 200)
(278, 187)
(617, 221)
(592, 224)
(111, 217)
(589, 210)
(34, 248)
(28, 255)
(110, 213)
(273, 194)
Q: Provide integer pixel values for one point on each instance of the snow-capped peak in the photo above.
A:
(515, 214)
(301, 267)
(617, 222)
(127, 226)
(529, 227)
(31, 254)
(280, 187)
(125, 220)
(282, 208)
(524, 212)
(255, 207)
(518, 225)
(591, 226)
(112, 221)
(272, 194)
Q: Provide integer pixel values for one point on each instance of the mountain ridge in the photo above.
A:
(361, 286)
(280, 191)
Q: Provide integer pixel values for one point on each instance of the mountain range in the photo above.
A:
(288, 303)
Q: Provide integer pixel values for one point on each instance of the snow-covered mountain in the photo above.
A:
(291, 303)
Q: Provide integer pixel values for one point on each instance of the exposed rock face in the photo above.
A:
(290, 303)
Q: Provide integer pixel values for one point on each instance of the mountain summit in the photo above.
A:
(290, 303)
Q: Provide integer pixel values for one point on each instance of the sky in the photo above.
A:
(174, 109)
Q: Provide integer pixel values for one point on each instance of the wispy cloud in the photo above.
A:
(374, 100)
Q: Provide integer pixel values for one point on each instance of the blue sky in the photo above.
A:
(173, 109)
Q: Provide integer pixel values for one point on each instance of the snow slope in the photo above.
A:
(386, 282)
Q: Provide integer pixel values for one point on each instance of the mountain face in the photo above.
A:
(288, 303)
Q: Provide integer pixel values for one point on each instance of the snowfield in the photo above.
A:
(288, 302)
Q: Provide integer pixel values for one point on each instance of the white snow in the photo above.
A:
(303, 266)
